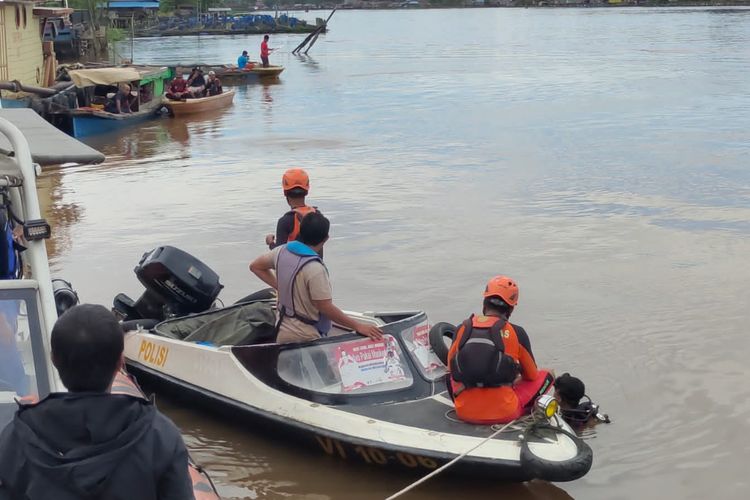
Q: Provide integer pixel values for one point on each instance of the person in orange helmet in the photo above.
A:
(296, 184)
(493, 374)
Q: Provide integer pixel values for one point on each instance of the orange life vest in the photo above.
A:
(299, 213)
(485, 404)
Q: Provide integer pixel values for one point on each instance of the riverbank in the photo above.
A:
(474, 4)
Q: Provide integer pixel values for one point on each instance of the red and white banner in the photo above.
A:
(365, 363)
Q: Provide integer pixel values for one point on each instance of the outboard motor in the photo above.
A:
(177, 284)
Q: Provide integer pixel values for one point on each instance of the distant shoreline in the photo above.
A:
(530, 4)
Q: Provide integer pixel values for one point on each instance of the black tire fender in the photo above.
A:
(558, 471)
(438, 334)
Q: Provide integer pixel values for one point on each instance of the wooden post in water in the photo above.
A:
(313, 37)
(132, 37)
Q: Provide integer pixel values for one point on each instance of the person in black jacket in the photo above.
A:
(87, 443)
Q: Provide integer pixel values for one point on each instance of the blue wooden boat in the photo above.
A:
(95, 85)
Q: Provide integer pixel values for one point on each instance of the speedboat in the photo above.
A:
(381, 403)
(29, 306)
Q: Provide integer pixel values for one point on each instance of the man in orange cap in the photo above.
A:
(493, 374)
(296, 185)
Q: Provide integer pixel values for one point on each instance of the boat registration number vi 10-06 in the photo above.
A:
(370, 455)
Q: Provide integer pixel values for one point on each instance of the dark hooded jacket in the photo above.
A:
(87, 446)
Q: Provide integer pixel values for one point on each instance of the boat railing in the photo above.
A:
(35, 255)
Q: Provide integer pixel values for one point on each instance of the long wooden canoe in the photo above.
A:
(267, 72)
(230, 74)
(201, 104)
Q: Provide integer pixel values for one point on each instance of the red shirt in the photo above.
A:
(178, 85)
(264, 49)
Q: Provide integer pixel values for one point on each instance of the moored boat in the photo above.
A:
(94, 85)
(200, 105)
(230, 74)
(381, 403)
(236, 76)
(267, 72)
(29, 305)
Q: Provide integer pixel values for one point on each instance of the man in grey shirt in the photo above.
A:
(306, 308)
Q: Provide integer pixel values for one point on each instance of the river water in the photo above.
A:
(598, 156)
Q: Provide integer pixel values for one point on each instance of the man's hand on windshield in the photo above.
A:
(368, 330)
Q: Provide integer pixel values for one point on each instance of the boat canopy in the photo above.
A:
(49, 146)
(52, 11)
(113, 76)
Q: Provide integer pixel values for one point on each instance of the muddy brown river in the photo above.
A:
(598, 156)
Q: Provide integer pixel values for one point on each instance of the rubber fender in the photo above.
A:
(568, 470)
(265, 294)
(134, 324)
(438, 333)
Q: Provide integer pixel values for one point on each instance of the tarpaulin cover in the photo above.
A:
(113, 76)
(235, 325)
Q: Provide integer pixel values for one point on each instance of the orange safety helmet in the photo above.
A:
(503, 287)
(295, 178)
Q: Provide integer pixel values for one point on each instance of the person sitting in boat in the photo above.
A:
(88, 443)
(213, 87)
(243, 60)
(265, 51)
(493, 374)
(120, 102)
(569, 392)
(306, 308)
(296, 185)
(177, 87)
(196, 83)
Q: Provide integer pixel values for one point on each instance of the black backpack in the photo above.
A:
(480, 360)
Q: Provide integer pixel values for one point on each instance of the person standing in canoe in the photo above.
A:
(265, 51)
(296, 185)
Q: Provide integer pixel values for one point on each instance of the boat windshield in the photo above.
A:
(417, 342)
(19, 339)
(357, 366)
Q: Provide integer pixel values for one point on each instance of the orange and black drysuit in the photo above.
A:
(486, 358)
(287, 229)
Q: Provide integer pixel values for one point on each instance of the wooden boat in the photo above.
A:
(95, 84)
(201, 104)
(230, 74)
(269, 72)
